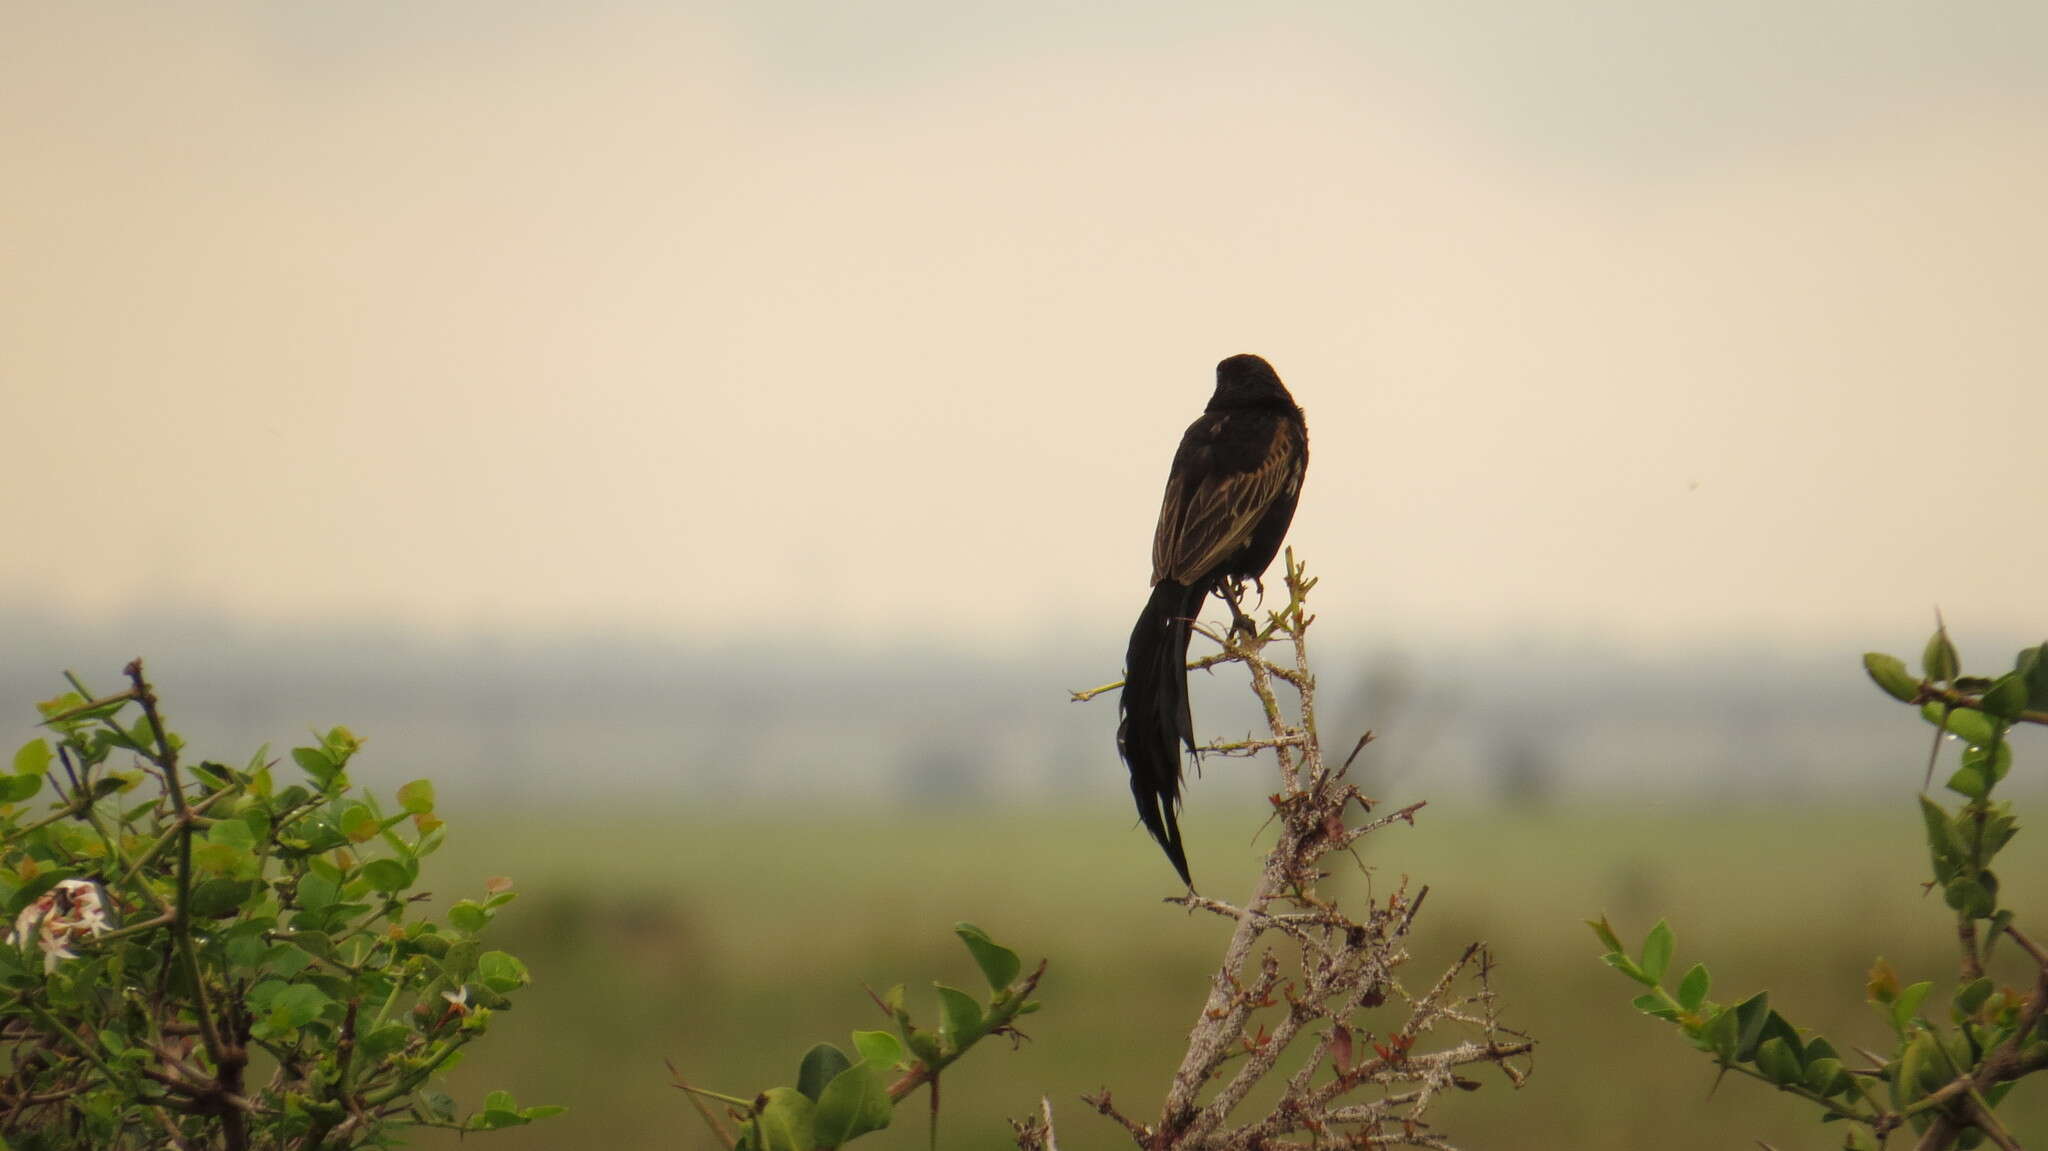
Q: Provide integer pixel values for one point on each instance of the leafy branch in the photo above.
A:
(1941, 1082)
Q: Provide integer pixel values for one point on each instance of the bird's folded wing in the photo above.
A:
(1200, 528)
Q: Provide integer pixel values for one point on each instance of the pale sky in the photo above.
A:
(1665, 323)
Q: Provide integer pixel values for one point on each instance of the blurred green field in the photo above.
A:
(731, 942)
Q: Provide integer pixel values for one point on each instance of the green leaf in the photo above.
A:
(878, 1049)
(316, 763)
(1654, 1003)
(2007, 697)
(467, 916)
(220, 859)
(1969, 781)
(1992, 761)
(1722, 1034)
(216, 897)
(1750, 1016)
(785, 1118)
(854, 1103)
(1657, 952)
(501, 972)
(1889, 672)
(1939, 845)
(417, 797)
(542, 1111)
(820, 1065)
(357, 822)
(317, 892)
(15, 788)
(384, 1040)
(1969, 896)
(959, 1013)
(1692, 990)
(1968, 725)
(1970, 997)
(33, 758)
(2036, 671)
(1775, 1059)
(999, 965)
(387, 875)
(298, 1005)
(1605, 931)
(232, 833)
(1939, 661)
(1908, 1003)
(1826, 1077)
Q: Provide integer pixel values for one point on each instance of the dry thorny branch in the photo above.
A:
(1305, 983)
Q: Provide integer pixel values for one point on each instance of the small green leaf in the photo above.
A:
(1939, 845)
(16, 788)
(1750, 1016)
(1775, 1059)
(2007, 697)
(467, 916)
(1692, 990)
(298, 1005)
(33, 758)
(1970, 726)
(820, 1065)
(854, 1103)
(878, 1049)
(501, 972)
(384, 1040)
(1970, 997)
(357, 822)
(1889, 672)
(999, 965)
(1605, 931)
(1722, 1034)
(1939, 661)
(1969, 781)
(417, 797)
(1909, 1002)
(317, 892)
(233, 833)
(1992, 762)
(1826, 1077)
(387, 875)
(315, 762)
(959, 1014)
(217, 897)
(2036, 671)
(1970, 897)
(1654, 1003)
(785, 1118)
(542, 1111)
(1657, 952)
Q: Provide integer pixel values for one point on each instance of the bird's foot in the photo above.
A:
(1233, 596)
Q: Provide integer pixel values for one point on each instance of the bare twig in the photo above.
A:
(1354, 1081)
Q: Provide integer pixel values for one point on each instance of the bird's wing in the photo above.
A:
(1209, 513)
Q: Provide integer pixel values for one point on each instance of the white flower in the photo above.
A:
(74, 909)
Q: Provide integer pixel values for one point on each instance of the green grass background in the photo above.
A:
(731, 941)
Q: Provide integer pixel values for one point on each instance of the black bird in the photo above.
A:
(1229, 498)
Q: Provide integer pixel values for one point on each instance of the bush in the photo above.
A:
(210, 956)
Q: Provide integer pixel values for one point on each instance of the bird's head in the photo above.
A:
(1247, 381)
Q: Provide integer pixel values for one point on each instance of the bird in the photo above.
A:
(1230, 497)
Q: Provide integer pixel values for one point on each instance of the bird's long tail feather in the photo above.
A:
(1156, 719)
